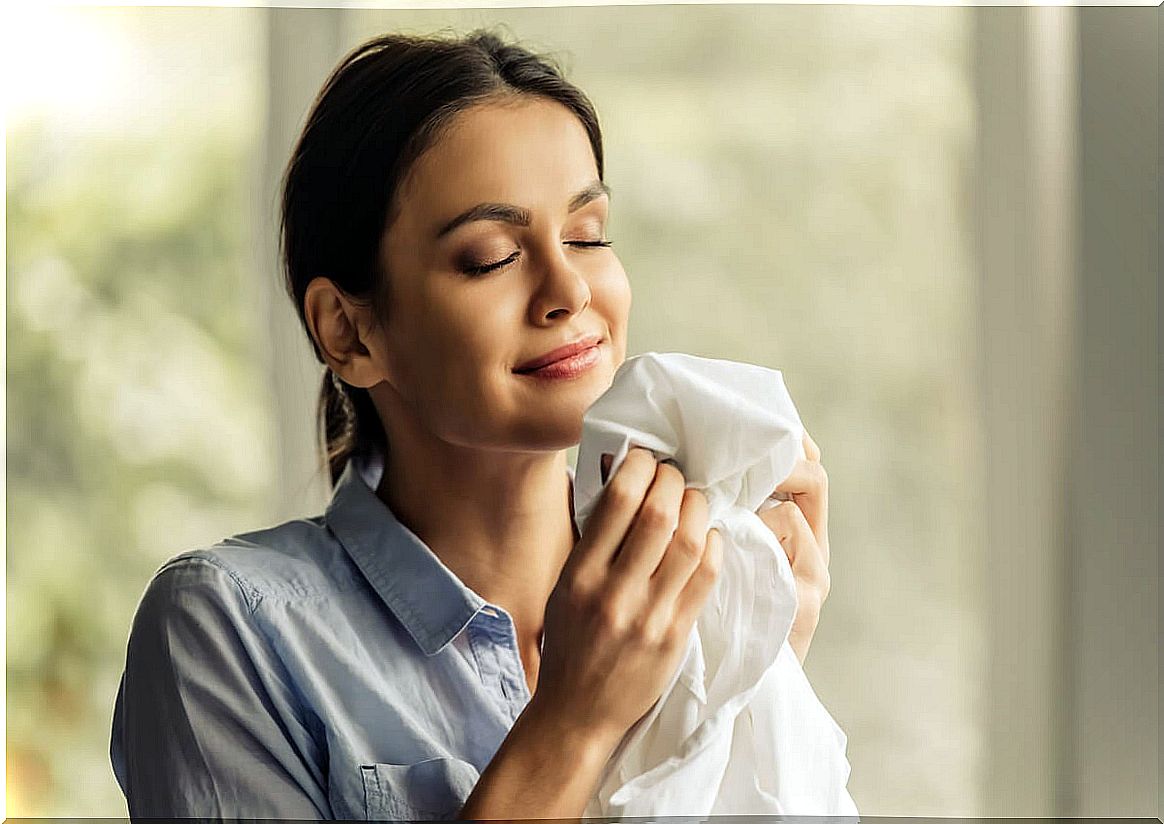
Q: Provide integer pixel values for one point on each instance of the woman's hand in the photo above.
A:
(617, 624)
(618, 619)
(801, 526)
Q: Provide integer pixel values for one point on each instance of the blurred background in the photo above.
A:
(941, 224)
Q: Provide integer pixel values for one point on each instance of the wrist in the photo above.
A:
(592, 744)
(545, 768)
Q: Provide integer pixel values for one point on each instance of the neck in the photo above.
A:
(501, 521)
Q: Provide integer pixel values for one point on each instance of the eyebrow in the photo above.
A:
(508, 213)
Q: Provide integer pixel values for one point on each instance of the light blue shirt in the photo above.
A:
(328, 667)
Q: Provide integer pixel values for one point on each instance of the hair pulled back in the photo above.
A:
(384, 105)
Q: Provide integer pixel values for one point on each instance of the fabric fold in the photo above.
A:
(738, 730)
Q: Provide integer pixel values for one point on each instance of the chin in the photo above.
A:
(565, 429)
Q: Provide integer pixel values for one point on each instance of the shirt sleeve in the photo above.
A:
(195, 731)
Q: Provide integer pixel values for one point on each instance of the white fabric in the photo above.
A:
(739, 730)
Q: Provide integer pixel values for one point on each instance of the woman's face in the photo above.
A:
(453, 336)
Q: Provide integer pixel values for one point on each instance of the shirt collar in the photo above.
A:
(432, 603)
(429, 599)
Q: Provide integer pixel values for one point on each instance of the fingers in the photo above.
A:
(811, 450)
(657, 520)
(693, 595)
(614, 512)
(805, 555)
(808, 484)
(686, 550)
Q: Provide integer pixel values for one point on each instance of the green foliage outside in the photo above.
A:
(135, 410)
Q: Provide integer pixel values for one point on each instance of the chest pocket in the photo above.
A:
(431, 790)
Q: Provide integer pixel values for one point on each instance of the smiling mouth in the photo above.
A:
(569, 367)
(561, 355)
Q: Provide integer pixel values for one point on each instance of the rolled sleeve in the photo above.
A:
(196, 732)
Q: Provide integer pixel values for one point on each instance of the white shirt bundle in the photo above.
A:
(739, 730)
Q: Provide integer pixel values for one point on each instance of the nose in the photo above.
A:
(563, 289)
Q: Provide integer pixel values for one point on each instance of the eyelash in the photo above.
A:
(485, 268)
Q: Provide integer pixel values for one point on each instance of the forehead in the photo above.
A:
(530, 152)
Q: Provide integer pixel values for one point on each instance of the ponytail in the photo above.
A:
(351, 425)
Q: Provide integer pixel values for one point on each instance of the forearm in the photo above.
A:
(541, 770)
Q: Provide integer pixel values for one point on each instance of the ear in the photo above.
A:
(345, 332)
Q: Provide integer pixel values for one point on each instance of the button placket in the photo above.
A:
(514, 670)
(483, 641)
(511, 670)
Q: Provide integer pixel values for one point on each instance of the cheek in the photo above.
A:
(428, 354)
(612, 293)
(482, 330)
(461, 349)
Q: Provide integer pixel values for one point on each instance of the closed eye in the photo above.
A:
(485, 268)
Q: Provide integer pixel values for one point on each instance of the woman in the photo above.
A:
(441, 642)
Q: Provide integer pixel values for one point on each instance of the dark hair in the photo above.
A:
(387, 101)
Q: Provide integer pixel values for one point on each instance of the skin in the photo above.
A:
(477, 464)
(801, 526)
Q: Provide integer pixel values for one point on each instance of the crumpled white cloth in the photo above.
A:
(739, 730)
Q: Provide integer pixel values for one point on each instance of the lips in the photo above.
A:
(560, 353)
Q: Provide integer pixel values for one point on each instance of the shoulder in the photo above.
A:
(297, 559)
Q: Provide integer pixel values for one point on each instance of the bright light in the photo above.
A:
(58, 60)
